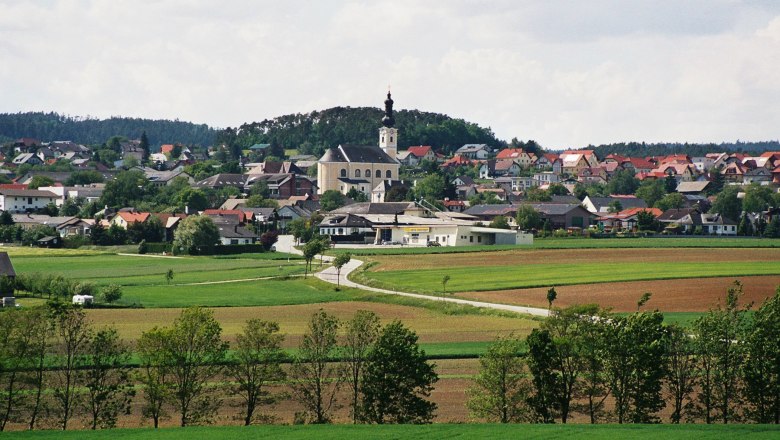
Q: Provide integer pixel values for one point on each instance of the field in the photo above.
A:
(436, 431)
(581, 243)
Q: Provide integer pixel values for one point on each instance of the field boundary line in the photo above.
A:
(147, 255)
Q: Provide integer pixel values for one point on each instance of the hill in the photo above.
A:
(312, 132)
(641, 149)
(53, 126)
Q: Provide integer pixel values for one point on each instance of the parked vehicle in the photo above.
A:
(433, 244)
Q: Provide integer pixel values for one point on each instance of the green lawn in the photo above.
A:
(483, 278)
(435, 431)
(581, 243)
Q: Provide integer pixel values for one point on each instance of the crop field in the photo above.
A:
(435, 431)
(518, 269)
(433, 327)
(680, 296)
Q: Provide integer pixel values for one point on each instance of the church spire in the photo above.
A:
(388, 120)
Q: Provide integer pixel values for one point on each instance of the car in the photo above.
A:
(433, 244)
(390, 243)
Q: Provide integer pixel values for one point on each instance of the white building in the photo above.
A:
(25, 200)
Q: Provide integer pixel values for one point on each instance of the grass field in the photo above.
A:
(482, 278)
(582, 243)
(435, 431)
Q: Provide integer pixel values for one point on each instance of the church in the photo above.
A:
(363, 167)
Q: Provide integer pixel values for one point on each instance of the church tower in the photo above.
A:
(388, 135)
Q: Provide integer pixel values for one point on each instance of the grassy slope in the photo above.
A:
(539, 275)
(450, 431)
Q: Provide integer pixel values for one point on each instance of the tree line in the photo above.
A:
(312, 133)
(625, 368)
(57, 370)
(54, 126)
(642, 149)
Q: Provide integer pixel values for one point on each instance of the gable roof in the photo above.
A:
(472, 148)
(510, 153)
(133, 217)
(692, 187)
(420, 151)
(6, 268)
(375, 208)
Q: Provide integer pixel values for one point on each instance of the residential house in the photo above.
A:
(288, 213)
(25, 200)
(573, 164)
(695, 188)
(458, 161)
(518, 155)
(347, 228)
(379, 193)
(734, 172)
(592, 175)
(565, 215)
(474, 151)
(27, 159)
(417, 154)
(515, 183)
(463, 181)
(545, 179)
(601, 205)
(66, 226)
(625, 220)
(232, 231)
(757, 175)
(123, 219)
(549, 161)
(454, 205)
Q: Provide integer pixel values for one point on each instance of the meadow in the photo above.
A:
(435, 431)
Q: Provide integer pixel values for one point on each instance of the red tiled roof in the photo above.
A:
(13, 186)
(626, 213)
(454, 203)
(419, 151)
(133, 217)
(243, 216)
(458, 161)
(509, 153)
(166, 148)
(640, 163)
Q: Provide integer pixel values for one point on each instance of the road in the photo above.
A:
(330, 275)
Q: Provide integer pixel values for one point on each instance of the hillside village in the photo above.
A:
(125, 192)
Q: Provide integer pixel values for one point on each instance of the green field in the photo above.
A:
(581, 243)
(435, 431)
(482, 278)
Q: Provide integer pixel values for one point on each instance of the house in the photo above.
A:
(545, 178)
(757, 175)
(473, 151)
(506, 167)
(66, 226)
(565, 215)
(716, 224)
(27, 159)
(454, 205)
(463, 181)
(515, 183)
(164, 178)
(625, 220)
(572, 164)
(282, 186)
(523, 159)
(379, 193)
(260, 148)
(591, 175)
(697, 187)
(288, 213)
(600, 205)
(458, 161)
(123, 219)
(347, 228)
(25, 200)
(414, 155)
(680, 220)
(734, 172)
(274, 167)
(549, 161)
(223, 180)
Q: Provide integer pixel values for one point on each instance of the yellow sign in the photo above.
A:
(417, 229)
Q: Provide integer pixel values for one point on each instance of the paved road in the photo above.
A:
(329, 274)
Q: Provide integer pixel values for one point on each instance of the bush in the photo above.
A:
(158, 248)
(143, 247)
(268, 239)
(111, 293)
(229, 249)
(76, 241)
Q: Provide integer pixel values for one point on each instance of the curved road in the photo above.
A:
(329, 274)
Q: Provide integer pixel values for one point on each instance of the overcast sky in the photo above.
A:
(564, 73)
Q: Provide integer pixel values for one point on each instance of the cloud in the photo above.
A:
(565, 73)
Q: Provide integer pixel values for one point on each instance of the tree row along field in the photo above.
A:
(435, 431)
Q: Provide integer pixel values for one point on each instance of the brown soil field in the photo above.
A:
(555, 256)
(429, 325)
(682, 295)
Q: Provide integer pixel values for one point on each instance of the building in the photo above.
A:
(473, 151)
(361, 167)
(25, 200)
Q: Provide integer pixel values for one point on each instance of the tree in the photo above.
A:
(615, 206)
(670, 183)
(315, 377)
(154, 373)
(757, 198)
(397, 379)
(671, 201)
(39, 181)
(195, 353)
(431, 188)
(762, 363)
(623, 182)
(107, 378)
(6, 219)
(194, 232)
(144, 144)
(194, 199)
(745, 227)
(111, 293)
(727, 203)
(169, 276)
(257, 363)
(645, 221)
(152, 230)
(362, 331)
(718, 336)
(500, 391)
(537, 195)
(773, 228)
(339, 262)
(681, 371)
(444, 280)
(557, 189)
(528, 218)
(14, 353)
(552, 295)
(633, 356)
(357, 195)
(546, 382)
(332, 199)
(651, 191)
(85, 177)
(73, 336)
(311, 249)
(500, 222)
(127, 187)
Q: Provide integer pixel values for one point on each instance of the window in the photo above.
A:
(479, 239)
(343, 172)
(341, 231)
(391, 139)
(389, 174)
(368, 174)
(471, 239)
(357, 173)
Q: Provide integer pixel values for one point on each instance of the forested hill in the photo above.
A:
(312, 132)
(55, 127)
(641, 149)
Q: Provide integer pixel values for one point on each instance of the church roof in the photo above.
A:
(357, 154)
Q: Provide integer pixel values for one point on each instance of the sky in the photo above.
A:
(563, 73)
